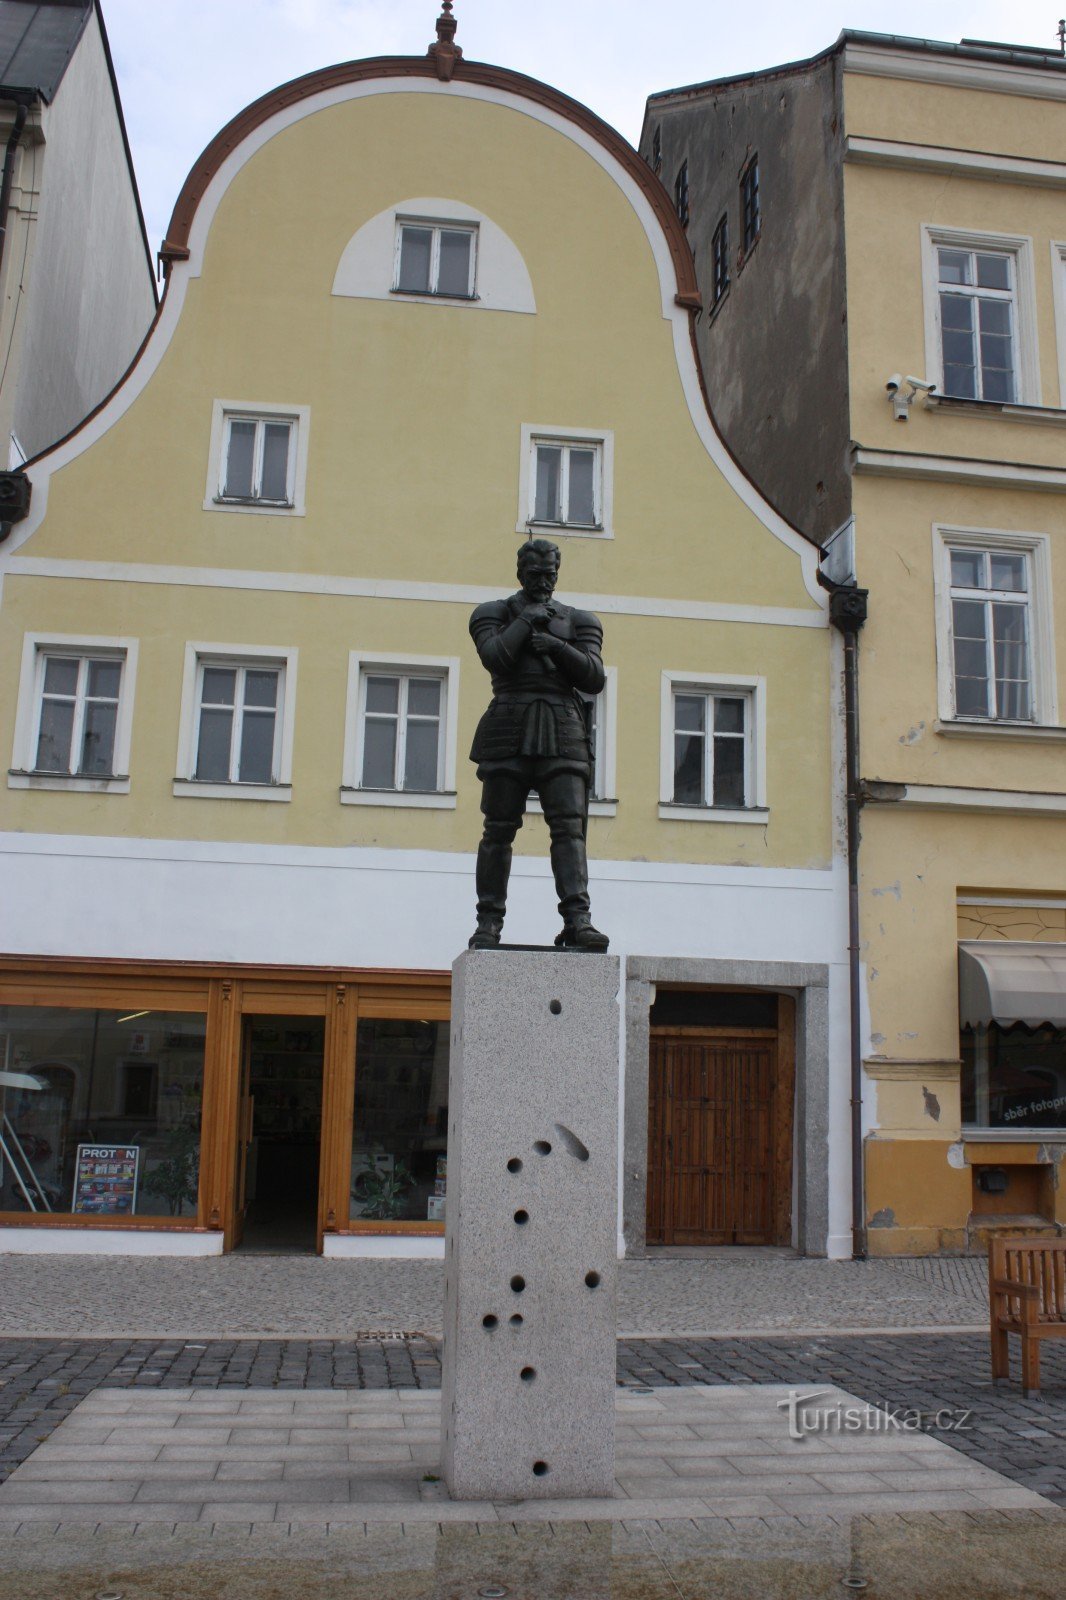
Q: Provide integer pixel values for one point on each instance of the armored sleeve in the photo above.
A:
(581, 663)
(498, 638)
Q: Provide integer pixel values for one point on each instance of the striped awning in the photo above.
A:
(1008, 980)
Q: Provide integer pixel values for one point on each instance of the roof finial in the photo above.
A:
(445, 52)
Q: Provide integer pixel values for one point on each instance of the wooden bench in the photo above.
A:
(1027, 1296)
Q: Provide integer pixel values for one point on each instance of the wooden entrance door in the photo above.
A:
(720, 1135)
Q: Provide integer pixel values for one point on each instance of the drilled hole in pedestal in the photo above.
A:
(542, 1147)
(490, 1321)
(527, 1374)
(539, 1468)
(521, 1217)
(517, 1320)
(514, 1165)
(555, 1007)
(518, 1283)
(592, 1279)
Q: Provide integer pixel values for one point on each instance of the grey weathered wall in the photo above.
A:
(88, 296)
(774, 353)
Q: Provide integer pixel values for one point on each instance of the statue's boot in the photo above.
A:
(570, 866)
(493, 871)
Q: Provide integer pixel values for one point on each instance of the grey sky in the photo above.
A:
(186, 66)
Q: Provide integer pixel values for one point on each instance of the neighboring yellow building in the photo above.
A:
(408, 317)
(906, 405)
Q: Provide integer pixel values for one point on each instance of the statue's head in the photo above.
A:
(538, 567)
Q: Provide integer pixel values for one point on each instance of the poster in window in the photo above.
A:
(105, 1179)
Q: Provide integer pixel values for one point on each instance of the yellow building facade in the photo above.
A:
(409, 319)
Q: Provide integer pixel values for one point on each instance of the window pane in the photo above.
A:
(582, 507)
(218, 686)
(958, 348)
(379, 755)
(60, 675)
(213, 747)
(689, 711)
(728, 716)
(967, 569)
(971, 697)
(240, 459)
(729, 772)
(994, 316)
(275, 485)
(549, 475)
(960, 382)
(955, 266)
(1010, 640)
(956, 311)
(257, 747)
(971, 658)
(453, 274)
(993, 272)
(423, 697)
(968, 619)
(400, 1128)
(53, 741)
(260, 688)
(421, 764)
(383, 694)
(688, 768)
(1012, 701)
(997, 385)
(104, 677)
(1008, 572)
(415, 246)
(98, 738)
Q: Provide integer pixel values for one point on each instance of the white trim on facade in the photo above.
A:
(955, 72)
(533, 434)
(957, 163)
(1020, 248)
(196, 653)
(958, 469)
(75, 1241)
(23, 753)
(754, 691)
(466, 595)
(299, 416)
(1058, 290)
(446, 669)
(368, 265)
(182, 273)
(943, 797)
(1037, 546)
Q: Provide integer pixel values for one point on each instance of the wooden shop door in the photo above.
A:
(720, 1135)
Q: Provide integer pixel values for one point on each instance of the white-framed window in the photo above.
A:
(713, 748)
(980, 316)
(258, 458)
(602, 714)
(74, 717)
(566, 481)
(235, 739)
(994, 632)
(1058, 275)
(400, 733)
(436, 257)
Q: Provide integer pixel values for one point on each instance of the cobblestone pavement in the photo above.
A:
(42, 1380)
(308, 1296)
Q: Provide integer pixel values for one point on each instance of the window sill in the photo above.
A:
(670, 811)
(417, 799)
(746, 255)
(1037, 732)
(1014, 1135)
(1001, 410)
(202, 789)
(258, 508)
(719, 303)
(597, 808)
(112, 783)
(573, 530)
(434, 294)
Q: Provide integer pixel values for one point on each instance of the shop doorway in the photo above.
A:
(280, 1134)
(720, 1119)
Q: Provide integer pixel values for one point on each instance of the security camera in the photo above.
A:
(901, 391)
(921, 383)
(894, 382)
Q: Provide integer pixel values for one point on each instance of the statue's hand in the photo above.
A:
(538, 615)
(543, 643)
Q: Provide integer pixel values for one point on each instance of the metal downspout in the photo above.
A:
(22, 112)
(847, 612)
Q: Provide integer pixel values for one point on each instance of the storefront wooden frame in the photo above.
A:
(226, 995)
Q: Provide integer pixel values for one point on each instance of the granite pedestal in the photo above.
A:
(531, 1252)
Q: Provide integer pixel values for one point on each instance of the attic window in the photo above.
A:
(438, 258)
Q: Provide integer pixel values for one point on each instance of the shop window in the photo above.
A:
(713, 748)
(236, 723)
(74, 714)
(1014, 1077)
(436, 258)
(100, 1111)
(400, 1129)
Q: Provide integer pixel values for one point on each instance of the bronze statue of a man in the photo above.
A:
(535, 735)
